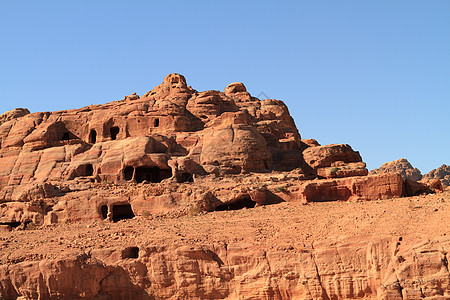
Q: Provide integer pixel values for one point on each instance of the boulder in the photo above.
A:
(325, 156)
(234, 149)
(335, 161)
(414, 188)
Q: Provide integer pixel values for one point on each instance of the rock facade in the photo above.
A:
(177, 151)
(170, 150)
(356, 268)
(401, 166)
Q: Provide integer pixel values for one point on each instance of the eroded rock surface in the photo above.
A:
(442, 173)
(54, 165)
(13, 114)
(179, 152)
(401, 166)
(335, 161)
(363, 267)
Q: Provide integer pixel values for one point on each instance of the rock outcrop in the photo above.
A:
(13, 114)
(335, 161)
(179, 153)
(363, 267)
(54, 166)
(442, 173)
(401, 166)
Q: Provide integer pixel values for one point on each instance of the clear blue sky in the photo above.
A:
(373, 74)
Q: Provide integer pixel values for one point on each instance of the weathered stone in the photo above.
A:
(334, 161)
(13, 114)
(401, 166)
(171, 135)
(414, 188)
(361, 188)
(442, 173)
(325, 156)
(353, 268)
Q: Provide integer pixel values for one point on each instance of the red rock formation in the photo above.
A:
(335, 161)
(13, 114)
(414, 188)
(442, 173)
(360, 188)
(173, 134)
(363, 267)
(179, 151)
(399, 166)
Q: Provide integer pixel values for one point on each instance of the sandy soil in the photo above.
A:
(279, 226)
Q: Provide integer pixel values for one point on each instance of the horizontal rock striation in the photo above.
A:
(356, 268)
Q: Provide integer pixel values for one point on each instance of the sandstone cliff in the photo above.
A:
(54, 165)
(390, 249)
(173, 155)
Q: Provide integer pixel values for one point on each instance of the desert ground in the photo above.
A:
(282, 226)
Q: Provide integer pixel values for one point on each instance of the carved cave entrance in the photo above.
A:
(128, 173)
(93, 136)
(114, 131)
(104, 211)
(151, 174)
(244, 202)
(156, 122)
(122, 212)
(89, 170)
(16, 224)
(130, 252)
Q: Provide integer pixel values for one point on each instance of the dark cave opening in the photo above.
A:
(151, 174)
(185, 177)
(104, 211)
(12, 224)
(114, 131)
(244, 202)
(89, 170)
(65, 136)
(93, 136)
(122, 212)
(130, 252)
(20, 225)
(128, 173)
(156, 122)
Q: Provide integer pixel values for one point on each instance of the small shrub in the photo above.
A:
(334, 170)
(281, 189)
(146, 214)
(194, 211)
(30, 226)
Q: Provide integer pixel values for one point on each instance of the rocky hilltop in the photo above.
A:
(90, 185)
(54, 165)
(442, 173)
(402, 166)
